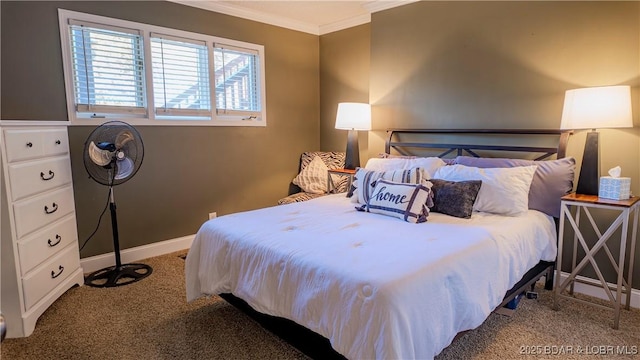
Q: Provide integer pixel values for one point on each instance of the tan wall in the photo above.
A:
(485, 65)
(497, 64)
(505, 65)
(344, 77)
(428, 64)
(187, 171)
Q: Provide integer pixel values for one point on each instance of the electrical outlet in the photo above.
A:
(213, 215)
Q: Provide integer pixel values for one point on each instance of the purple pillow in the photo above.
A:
(552, 179)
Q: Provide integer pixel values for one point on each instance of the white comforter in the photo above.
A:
(375, 286)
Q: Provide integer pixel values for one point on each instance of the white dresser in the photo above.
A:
(40, 256)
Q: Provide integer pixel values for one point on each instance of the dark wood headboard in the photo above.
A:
(394, 141)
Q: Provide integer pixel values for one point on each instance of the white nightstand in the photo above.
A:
(331, 187)
(627, 209)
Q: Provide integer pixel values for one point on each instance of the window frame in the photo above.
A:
(135, 39)
(216, 118)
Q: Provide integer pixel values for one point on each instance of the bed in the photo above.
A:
(373, 285)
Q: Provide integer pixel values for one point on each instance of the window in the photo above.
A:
(107, 69)
(180, 76)
(149, 75)
(237, 90)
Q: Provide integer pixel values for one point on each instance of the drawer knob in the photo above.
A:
(51, 175)
(29, 144)
(60, 270)
(58, 142)
(58, 238)
(54, 207)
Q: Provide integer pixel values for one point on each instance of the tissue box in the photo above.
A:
(614, 188)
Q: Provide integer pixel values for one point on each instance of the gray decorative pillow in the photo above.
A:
(552, 179)
(455, 198)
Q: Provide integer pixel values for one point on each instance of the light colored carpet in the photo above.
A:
(536, 331)
(151, 320)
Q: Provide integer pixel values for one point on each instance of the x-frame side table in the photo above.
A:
(628, 209)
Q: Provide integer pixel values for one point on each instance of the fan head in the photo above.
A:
(113, 153)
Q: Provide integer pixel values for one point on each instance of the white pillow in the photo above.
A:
(364, 179)
(409, 202)
(429, 165)
(313, 178)
(504, 190)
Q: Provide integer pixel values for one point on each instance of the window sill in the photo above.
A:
(172, 122)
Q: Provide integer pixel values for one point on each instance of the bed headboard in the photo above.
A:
(459, 141)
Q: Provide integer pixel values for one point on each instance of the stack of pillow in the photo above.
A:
(411, 187)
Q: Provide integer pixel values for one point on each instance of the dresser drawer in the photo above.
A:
(32, 177)
(36, 248)
(55, 142)
(34, 213)
(51, 274)
(23, 144)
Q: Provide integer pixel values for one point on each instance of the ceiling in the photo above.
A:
(315, 17)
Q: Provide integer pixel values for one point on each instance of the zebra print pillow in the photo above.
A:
(313, 179)
(333, 160)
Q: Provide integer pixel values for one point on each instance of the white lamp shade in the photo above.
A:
(353, 116)
(597, 107)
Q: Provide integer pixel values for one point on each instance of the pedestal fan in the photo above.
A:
(113, 153)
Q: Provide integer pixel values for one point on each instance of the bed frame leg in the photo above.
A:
(548, 283)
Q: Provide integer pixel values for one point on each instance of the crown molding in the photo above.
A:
(379, 5)
(252, 15)
(344, 24)
(238, 11)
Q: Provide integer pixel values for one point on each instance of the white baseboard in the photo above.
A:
(98, 262)
(599, 292)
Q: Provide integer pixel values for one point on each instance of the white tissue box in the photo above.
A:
(614, 188)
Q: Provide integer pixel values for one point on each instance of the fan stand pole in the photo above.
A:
(119, 274)
(114, 228)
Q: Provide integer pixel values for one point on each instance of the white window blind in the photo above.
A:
(144, 74)
(180, 76)
(237, 81)
(108, 69)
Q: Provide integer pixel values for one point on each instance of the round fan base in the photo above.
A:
(118, 275)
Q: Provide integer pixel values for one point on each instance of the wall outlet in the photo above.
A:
(213, 215)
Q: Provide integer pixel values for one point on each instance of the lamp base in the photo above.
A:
(352, 159)
(590, 169)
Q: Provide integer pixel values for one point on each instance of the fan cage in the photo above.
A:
(108, 133)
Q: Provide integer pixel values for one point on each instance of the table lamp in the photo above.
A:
(591, 108)
(353, 117)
